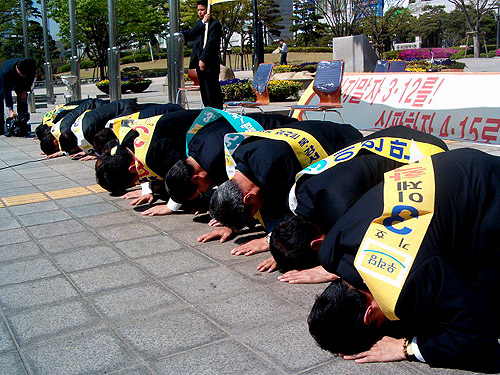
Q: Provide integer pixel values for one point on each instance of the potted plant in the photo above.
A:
(135, 85)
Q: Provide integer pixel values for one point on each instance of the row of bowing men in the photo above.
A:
(403, 229)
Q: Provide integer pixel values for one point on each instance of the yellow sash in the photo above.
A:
(56, 130)
(77, 129)
(145, 128)
(306, 148)
(117, 124)
(398, 149)
(392, 240)
(49, 116)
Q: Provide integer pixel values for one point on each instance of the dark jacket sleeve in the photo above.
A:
(210, 54)
(454, 328)
(197, 29)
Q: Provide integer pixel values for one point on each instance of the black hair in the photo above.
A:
(336, 320)
(102, 138)
(27, 67)
(178, 182)
(41, 130)
(68, 141)
(202, 2)
(290, 244)
(227, 207)
(47, 144)
(112, 171)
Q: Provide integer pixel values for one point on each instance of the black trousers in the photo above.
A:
(283, 58)
(211, 93)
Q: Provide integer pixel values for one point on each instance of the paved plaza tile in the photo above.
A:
(90, 286)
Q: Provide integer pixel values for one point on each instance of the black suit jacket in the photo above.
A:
(210, 53)
(10, 81)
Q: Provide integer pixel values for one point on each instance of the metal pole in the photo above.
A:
(113, 55)
(75, 62)
(31, 96)
(498, 24)
(25, 28)
(175, 55)
(49, 88)
(257, 37)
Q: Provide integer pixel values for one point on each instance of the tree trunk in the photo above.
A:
(475, 39)
(101, 70)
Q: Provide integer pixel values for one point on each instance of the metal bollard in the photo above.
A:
(114, 73)
(49, 88)
(175, 65)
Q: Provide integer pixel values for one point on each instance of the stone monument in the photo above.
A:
(357, 53)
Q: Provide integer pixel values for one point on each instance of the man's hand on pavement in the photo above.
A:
(223, 233)
(258, 245)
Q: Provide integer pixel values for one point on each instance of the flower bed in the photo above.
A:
(419, 65)
(136, 85)
(279, 90)
(308, 66)
(427, 53)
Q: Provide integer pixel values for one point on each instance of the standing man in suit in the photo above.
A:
(205, 55)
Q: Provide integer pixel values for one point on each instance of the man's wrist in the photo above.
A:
(408, 350)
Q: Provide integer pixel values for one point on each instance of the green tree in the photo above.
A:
(269, 15)
(342, 16)
(474, 12)
(15, 47)
(10, 24)
(382, 30)
(306, 23)
(454, 29)
(137, 21)
(430, 25)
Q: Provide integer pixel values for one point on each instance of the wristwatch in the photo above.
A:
(408, 350)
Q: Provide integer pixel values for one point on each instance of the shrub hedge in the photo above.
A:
(279, 90)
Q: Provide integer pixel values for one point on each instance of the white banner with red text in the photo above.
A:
(461, 106)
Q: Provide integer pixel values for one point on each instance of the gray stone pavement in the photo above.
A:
(89, 286)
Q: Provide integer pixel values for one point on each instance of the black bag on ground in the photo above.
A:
(17, 126)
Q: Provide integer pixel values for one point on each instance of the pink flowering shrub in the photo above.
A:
(425, 53)
(498, 52)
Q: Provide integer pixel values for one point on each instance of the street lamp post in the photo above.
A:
(31, 97)
(49, 88)
(175, 53)
(113, 55)
(75, 63)
(498, 24)
(257, 37)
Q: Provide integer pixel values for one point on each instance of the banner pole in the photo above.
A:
(206, 28)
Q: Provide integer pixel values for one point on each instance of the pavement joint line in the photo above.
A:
(18, 200)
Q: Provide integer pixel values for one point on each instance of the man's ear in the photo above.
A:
(248, 198)
(194, 178)
(131, 167)
(315, 244)
(368, 318)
